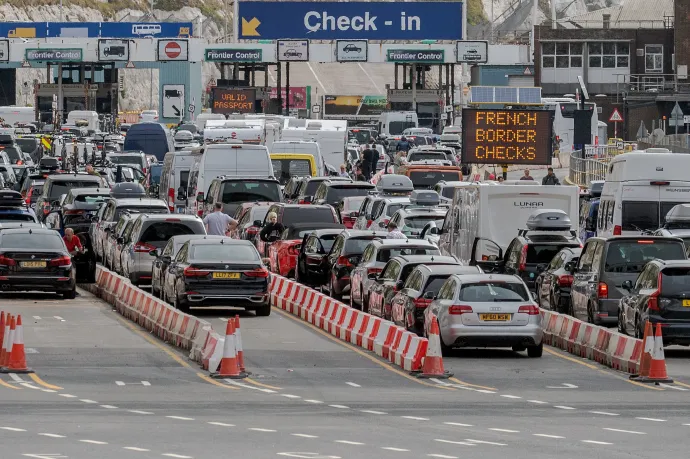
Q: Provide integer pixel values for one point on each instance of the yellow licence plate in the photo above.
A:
(226, 275)
(494, 317)
(32, 264)
(686, 303)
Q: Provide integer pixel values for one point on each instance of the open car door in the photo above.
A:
(489, 264)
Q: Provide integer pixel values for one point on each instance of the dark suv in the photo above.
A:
(59, 184)
(332, 192)
(233, 192)
(605, 264)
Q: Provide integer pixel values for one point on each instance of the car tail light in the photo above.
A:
(171, 199)
(565, 280)
(6, 261)
(28, 195)
(459, 309)
(660, 183)
(523, 258)
(529, 309)
(602, 291)
(191, 271)
(344, 261)
(258, 272)
(143, 247)
(422, 302)
(302, 201)
(653, 301)
(61, 261)
(617, 230)
(374, 270)
(252, 231)
(74, 212)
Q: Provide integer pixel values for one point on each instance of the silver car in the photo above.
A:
(486, 310)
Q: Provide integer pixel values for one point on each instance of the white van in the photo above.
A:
(84, 116)
(177, 167)
(332, 142)
(254, 131)
(202, 118)
(301, 147)
(13, 115)
(395, 123)
(496, 213)
(640, 188)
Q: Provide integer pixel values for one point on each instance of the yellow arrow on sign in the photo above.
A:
(46, 143)
(249, 28)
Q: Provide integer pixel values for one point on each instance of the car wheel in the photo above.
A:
(331, 289)
(535, 351)
(70, 294)
(91, 275)
(590, 314)
(263, 311)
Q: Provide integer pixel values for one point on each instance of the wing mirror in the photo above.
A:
(308, 199)
(428, 295)
(200, 197)
(258, 223)
(399, 285)
(627, 285)
(154, 253)
(120, 240)
(166, 259)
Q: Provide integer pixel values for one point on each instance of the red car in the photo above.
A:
(348, 209)
(282, 254)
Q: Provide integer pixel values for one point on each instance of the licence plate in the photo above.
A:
(226, 275)
(686, 303)
(32, 264)
(494, 317)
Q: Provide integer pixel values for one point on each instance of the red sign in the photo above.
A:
(298, 96)
(173, 50)
(615, 116)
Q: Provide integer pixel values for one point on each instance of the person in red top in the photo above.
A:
(72, 242)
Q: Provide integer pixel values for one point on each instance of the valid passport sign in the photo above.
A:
(233, 100)
(495, 136)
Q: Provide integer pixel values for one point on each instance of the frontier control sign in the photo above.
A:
(495, 136)
(54, 55)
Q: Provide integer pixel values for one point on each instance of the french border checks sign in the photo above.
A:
(416, 56)
(233, 55)
(113, 50)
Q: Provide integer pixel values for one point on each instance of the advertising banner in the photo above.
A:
(353, 107)
(298, 96)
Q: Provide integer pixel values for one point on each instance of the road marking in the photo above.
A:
(547, 436)
(94, 442)
(563, 407)
(178, 456)
(67, 395)
(485, 442)
(37, 317)
(668, 386)
(180, 418)
(257, 429)
(563, 386)
(504, 430)
(50, 391)
(442, 456)
(625, 431)
(290, 396)
(45, 456)
(594, 442)
(120, 383)
(347, 442)
(604, 413)
(109, 407)
(440, 440)
(214, 382)
(140, 412)
(458, 424)
(239, 384)
(13, 429)
(221, 424)
(40, 382)
(52, 435)
(30, 386)
(352, 384)
(391, 448)
(652, 419)
(314, 401)
(304, 435)
(8, 385)
(538, 402)
(456, 380)
(415, 418)
(151, 340)
(579, 362)
(256, 383)
(16, 377)
(134, 448)
(510, 396)
(86, 400)
(373, 412)
(341, 407)
(59, 318)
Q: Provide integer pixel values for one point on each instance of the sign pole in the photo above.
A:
(615, 129)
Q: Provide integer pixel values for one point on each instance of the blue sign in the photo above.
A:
(424, 20)
(95, 29)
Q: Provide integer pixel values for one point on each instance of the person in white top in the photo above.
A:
(394, 232)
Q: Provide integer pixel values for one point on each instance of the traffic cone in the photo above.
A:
(228, 364)
(646, 359)
(433, 362)
(7, 344)
(657, 366)
(238, 345)
(2, 332)
(17, 361)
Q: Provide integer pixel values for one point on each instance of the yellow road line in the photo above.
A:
(256, 383)
(360, 352)
(210, 380)
(571, 359)
(681, 384)
(38, 380)
(456, 380)
(646, 386)
(153, 341)
(3, 383)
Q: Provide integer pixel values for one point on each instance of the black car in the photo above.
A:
(218, 271)
(309, 185)
(36, 259)
(331, 192)
(393, 278)
(555, 279)
(58, 184)
(315, 246)
(661, 295)
(163, 259)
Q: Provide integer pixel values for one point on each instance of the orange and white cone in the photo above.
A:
(238, 344)
(646, 359)
(2, 333)
(433, 362)
(7, 343)
(657, 366)
(229, 367)
(17, 361)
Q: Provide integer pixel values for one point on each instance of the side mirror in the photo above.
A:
(541, 268)
(428, 295)
(568, 266)
(154, 253)
(399, 285)
(627, 285)
(200, 197)
(166, 259)
(120, 240)
(181, 195)
(382, 224)
(107, 230)
(372, 276)
(354, 214)
(434, 230)
(258, 223)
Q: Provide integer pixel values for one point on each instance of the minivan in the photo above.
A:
(177, 167)
(151, 138)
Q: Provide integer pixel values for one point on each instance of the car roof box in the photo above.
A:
(9, 198)
(424, 198)
(394, 184)
(549, 220)
(679, 213)
(127, 190)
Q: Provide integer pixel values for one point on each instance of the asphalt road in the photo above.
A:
(105, 388)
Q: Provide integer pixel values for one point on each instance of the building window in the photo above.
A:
(547, 61)
(561, 55)
(654, 58)
(609, 55)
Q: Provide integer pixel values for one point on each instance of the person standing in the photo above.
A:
(367, 160)
(394, 232)
(359, 175)
(374, 155)
(343, 171)
(550, 178)
(403, 145)
(217, 223)
(272, 231)
(526, 176)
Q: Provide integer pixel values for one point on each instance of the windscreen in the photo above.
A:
(292, 215)
(383, 255)
(492, 292)
(27, 145)
(427, 179)
(544, 253)
(90, 199)
(336, 193)
(140, 210)
(13, 153)
(32, 241)
(286, 168)
(448, 192)
(427, 155)
(630, 256)
(127, 159)
(675, 282)
(361, 135)
(420, 221)
(59, 188)
(327, 241)
(156, 172)
(397, 127)
(353, 204)
(356, 246)
(636, 216)
(312, 185)
(158, 233)
(16, 218)
(224, 252)
(250, 190)
(420, 141)
(259, 213)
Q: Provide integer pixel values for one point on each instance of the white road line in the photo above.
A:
(304, 435)
(348, 442)
(686, 424)
(459, 424)
(484, 391)
(399, 450)
(373, 83)
(563, 407)
(247, 386)
(94, 442)
(109, 407)
(438, 381)
(50, 391)
(510, 396)
(442, 456)
(485, 442)
(290, 396)
(178, 456)
(342, 407)
(221, 424)
(594, 442)
(257, 429)
(415, 418)
(180, 418)
(538, 402)
(373, 412)
(625, 431)
(86, 400)
(16, 377)
(547, 436)
(652, 419)
(145, 383)
(13, 429)
(120, 383)
(134, 448)
(37, 317)
(140, 412)
(352, 384)
(67, 395)
(604, 413)
(59, 318)
(318, 80)
(52, 435)
(505, 430)
(314, 401)
(30, 386)
(452, 442)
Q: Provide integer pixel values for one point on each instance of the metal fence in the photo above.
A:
(590, 164)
